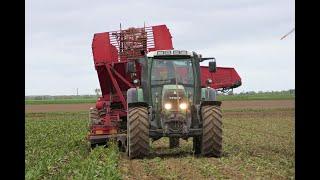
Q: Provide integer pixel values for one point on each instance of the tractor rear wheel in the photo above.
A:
(211, 140)
(173, 142)
(138, 132)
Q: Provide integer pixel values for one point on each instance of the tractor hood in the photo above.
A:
(173, 96)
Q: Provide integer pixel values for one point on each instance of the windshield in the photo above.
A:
(170, 71)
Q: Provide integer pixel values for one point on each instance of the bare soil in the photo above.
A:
(257, 145)
(58, 107)
(258, 104)
(226, 105)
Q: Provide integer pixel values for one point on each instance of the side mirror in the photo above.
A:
(131, 67)
(212, 66)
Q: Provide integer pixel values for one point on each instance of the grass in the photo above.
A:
(257, 144)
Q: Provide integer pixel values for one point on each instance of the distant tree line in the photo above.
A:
(97, 93)
(283, 92)
(48, 97)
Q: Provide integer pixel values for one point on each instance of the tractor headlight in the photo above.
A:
(183, 106)
(135, 81)
(167, 106)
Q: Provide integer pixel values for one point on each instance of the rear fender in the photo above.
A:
(213, 103)
(135, 98)
(136, 104)
(208, 94)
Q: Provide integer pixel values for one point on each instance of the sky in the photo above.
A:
(244, 34)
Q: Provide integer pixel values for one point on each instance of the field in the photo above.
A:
(258, 142)
(56, 148)
(61, 101)
(258, 96)
(92, 99)
(226, 105)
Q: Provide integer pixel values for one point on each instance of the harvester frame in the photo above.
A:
(118, 57)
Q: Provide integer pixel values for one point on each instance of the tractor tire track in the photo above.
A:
(163, 163)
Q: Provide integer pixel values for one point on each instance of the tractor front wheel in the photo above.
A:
(211, 140)
(138, 132)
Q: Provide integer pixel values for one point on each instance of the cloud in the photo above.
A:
(243, 34)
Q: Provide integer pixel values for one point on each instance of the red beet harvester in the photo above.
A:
(151, 90)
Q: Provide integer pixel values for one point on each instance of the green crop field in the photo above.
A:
(56, 148)
(257, 144)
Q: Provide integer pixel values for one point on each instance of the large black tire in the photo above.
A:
(174, 142)
(138, 132)
(211, 140)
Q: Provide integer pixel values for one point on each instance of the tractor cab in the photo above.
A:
(170, 87)
(170, 67)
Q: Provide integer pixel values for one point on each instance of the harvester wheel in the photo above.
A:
(211, 140)
(93, 119)
(93, 116)
(173, 142)
(138, 132)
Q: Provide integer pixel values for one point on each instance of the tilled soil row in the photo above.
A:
(226, 105)
(242, 159)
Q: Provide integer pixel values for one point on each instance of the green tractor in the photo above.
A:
(170, 102)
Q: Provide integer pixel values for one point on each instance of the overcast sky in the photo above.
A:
(244, 34)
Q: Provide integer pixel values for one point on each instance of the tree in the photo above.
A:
(291, 91)
(97, 91)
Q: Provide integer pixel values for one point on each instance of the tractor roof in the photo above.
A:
(169, 53)
(173, 86)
